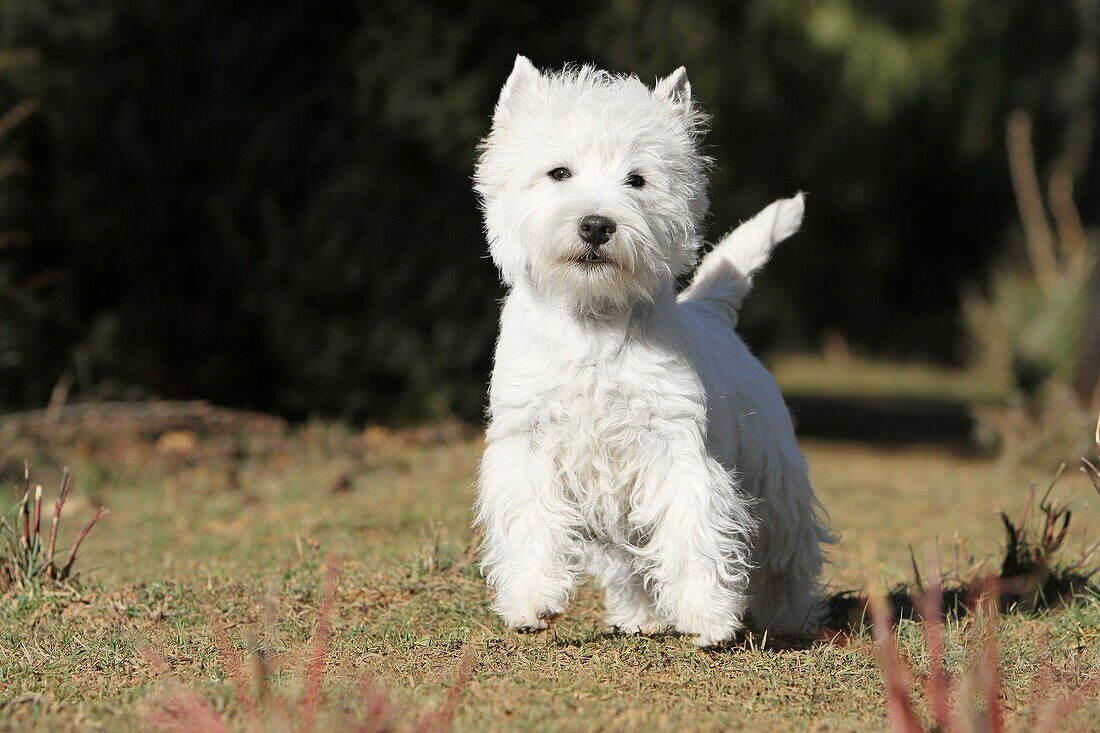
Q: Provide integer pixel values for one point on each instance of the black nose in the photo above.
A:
(596, 229)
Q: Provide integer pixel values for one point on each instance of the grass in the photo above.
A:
(856, 377)
(977, 703)
(238, 526)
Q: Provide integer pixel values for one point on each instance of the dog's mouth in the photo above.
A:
(591, 257)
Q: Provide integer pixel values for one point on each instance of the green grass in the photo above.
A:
(241, 527)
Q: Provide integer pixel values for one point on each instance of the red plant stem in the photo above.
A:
(376, 706)
(25, 519)
(62, 494)
(989, 594)
(37, 524)
(80, 538)
(1050, 488)
(898, 707)
(186, 712)
(1027, 505)
(930, 606)
(318, 658)
(440, 720)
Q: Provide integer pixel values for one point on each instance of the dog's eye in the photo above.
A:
(635, 181)
(560, 174)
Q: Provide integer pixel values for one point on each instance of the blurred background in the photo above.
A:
(268, 205)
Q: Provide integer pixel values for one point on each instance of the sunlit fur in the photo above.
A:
(632, 435)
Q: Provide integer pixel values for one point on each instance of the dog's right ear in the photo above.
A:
(522, 81)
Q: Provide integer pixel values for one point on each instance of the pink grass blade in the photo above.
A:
(318, 659)
(184, 711)
(898, 707)
(232, 663)
(1027, 505)
(377, 710)
(62, 494)
(439, 721)
(930, 607)
(1045, 502)
(988, 604)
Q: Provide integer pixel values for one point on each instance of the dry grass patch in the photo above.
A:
(239, 528)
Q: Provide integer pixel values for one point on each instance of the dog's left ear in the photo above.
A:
(675, 88)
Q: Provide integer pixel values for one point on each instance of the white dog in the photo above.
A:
(632, 434)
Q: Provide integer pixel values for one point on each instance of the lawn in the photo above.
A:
(237, 524)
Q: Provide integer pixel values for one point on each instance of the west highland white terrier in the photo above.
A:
(632, 435)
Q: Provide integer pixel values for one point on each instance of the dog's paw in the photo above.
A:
(636, 621)
(712, 641)
(646, 629)
(532, 623)
(710, 623)
(710, 635)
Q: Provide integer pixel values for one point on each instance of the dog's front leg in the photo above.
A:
(531, 557)
(694, 530)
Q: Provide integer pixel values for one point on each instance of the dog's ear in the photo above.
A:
(675, 88)
(522, 81)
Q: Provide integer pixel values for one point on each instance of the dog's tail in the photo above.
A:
(724, 277)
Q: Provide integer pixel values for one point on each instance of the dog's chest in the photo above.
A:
(597, 410)
(598, 427)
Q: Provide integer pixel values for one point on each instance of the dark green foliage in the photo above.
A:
(268, 204)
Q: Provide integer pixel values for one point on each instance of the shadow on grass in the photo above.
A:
(887, 421)
(1029, 595)
(848, 613)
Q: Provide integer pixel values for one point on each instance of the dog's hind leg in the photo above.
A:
(789, 601)
(628, 607)
(785, 591)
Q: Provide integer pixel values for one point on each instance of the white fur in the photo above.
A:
(632, 434)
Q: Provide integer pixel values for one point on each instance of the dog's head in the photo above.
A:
(592, 185)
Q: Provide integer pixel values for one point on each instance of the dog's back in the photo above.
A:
(749, 428)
